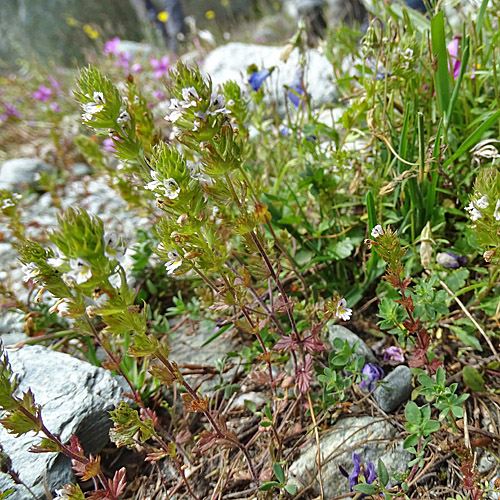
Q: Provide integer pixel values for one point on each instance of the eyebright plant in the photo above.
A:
(388, 246)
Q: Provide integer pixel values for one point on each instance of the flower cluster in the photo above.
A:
(477, 206)
(191, 99)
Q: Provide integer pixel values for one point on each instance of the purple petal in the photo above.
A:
(370, 473)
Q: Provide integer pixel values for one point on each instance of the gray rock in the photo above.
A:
(40, 28)
(258, 398)
(20, 172)
(376, 438)
(395, 389)
(81, 169)
(230, 62)
(75, 398)
(187, 349)
(339, 331)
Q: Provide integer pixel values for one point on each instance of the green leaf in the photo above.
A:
(279, 473)
(473, 379)
(466, 337)
(440, 376)
(291, 488)
(425, 380)
(438, 40)
(250, 405)
(367, 489)
(410, 441)
(383, 475)
(217, 334)
(480, 16)
(371, 210)
(267, 486)
(430, 427)
(412, 413)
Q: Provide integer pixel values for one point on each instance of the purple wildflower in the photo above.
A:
(450, 260)
(10, 110)
(372, 373)
(112, 46)
(42, 94)
(123, 60)
(159, 95)
(455, 65)
(455, 61)
(368, 471)
(257, 79)
(394, 353)
(160, 66)
(55, 84)
(55, 107)
(296, 89)
(109, 145)
(136, 68)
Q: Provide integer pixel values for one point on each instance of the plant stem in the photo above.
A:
(208, 415)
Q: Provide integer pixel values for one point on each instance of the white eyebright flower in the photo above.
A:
(96, 105)
(174, 262)
(483, 202)
(80, 270)
(113, 248)
(31, 270)
(343, 312)
(7, 203)
(377, 231)
(496, 213)
(475, 214)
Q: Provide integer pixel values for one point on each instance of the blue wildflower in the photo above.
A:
(284, 131)
(368, 471)
(296, 89)
(372, 373)
(257, 79)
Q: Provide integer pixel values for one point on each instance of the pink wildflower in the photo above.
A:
(42, 94)
(123, 60)
(158, 94)
(456, 63)
(112, 46)
(136, 68)
(55, 107)
(160, 66)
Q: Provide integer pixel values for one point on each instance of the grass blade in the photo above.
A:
(480, 16)
(439, 49)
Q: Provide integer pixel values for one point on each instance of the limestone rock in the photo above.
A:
(394, 389)
(20, 172)
(75, 398)
(187, 348)
(377, 438)
(230, 62)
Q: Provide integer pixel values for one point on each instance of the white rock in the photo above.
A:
(19, 172)
(230, 62)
